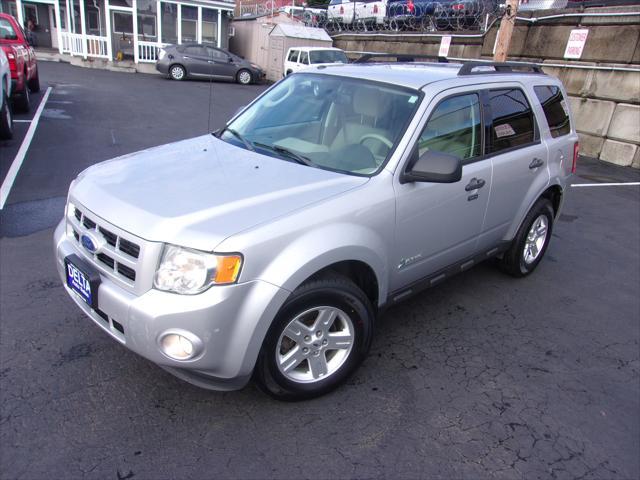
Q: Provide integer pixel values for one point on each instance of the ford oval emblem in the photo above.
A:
(88, 243)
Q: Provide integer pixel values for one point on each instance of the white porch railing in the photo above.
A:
(148, 51)
(87, 46)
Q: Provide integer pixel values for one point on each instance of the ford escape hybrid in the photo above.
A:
(266, 249)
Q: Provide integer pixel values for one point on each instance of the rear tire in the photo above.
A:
(34, 83)
(22, 102)
(320, 312)
(6, 119)
(531, 241)
(177, 72)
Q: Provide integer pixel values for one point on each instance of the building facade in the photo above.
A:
(122, 29)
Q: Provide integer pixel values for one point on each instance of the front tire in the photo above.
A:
(320, 336)
(177, 72)
(531, 241)
(244, 77)
(6, 119)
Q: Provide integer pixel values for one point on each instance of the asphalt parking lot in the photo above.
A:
(481, 377)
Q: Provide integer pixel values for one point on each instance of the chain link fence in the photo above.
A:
(419, 16)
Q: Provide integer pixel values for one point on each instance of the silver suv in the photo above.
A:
(268, 248)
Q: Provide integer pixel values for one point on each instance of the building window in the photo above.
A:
(146, 26)
(189, 24)
(93, 20)
(122, 23)
(30, 13)
(169, 20)
(210, 26)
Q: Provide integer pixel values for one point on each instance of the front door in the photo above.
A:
(122, 33)
(54, 27)
(222, 65)
(437, 224)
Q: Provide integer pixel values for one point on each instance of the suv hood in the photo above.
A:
(197, 192)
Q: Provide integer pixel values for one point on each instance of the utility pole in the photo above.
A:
(506, 31)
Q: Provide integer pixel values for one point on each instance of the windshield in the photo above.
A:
(6, 30)
(327, 56)
(337, 123)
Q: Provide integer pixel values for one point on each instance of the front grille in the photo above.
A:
(106, 259)
(119, 255)
(129, 248)
(110, 237)
(130, 273)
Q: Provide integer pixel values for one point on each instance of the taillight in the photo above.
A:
(12, 62)
(410, 6)
(375, 9)
(576, 149)
(458, 7)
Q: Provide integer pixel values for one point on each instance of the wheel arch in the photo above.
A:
(553, 193)
(358, 272)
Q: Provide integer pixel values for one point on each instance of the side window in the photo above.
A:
(196, 51)
(454, 127)
(513, 123)
(293, 56)
(304, 58)
(555, 109)
(217, 54)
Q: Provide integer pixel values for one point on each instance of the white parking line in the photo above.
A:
(605, 184)
(17, 162)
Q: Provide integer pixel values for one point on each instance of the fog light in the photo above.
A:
(179, 344)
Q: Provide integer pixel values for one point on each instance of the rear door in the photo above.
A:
(196, 60)
(518, 157)
(437, 224)
(557, 135)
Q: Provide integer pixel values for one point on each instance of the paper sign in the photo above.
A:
(576, 42)
(444, 46)
(504, 130)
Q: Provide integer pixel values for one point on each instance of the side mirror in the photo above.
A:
(230, 59)
(436, 167)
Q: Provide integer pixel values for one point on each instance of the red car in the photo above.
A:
(22, 61)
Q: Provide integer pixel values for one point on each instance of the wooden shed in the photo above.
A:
(251, 36)
(285, 36)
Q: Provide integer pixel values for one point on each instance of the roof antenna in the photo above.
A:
(210, 89)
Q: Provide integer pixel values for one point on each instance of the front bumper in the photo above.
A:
(231, 321)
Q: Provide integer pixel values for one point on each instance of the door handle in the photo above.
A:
(474, 184)
(535, 163)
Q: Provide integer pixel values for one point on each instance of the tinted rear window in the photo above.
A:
(555, 109)
(513, 124)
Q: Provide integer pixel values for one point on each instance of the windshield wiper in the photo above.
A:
(285, 151)
(246, 142)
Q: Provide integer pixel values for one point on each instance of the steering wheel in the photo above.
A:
(375, 136)
(284, 95)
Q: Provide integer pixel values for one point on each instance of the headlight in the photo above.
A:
(187, 271)
(257, 67)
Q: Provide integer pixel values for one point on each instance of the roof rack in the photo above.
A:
(499, 67)
(400, 57)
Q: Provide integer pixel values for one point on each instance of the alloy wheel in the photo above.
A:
(315, 344)
(535, 239)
